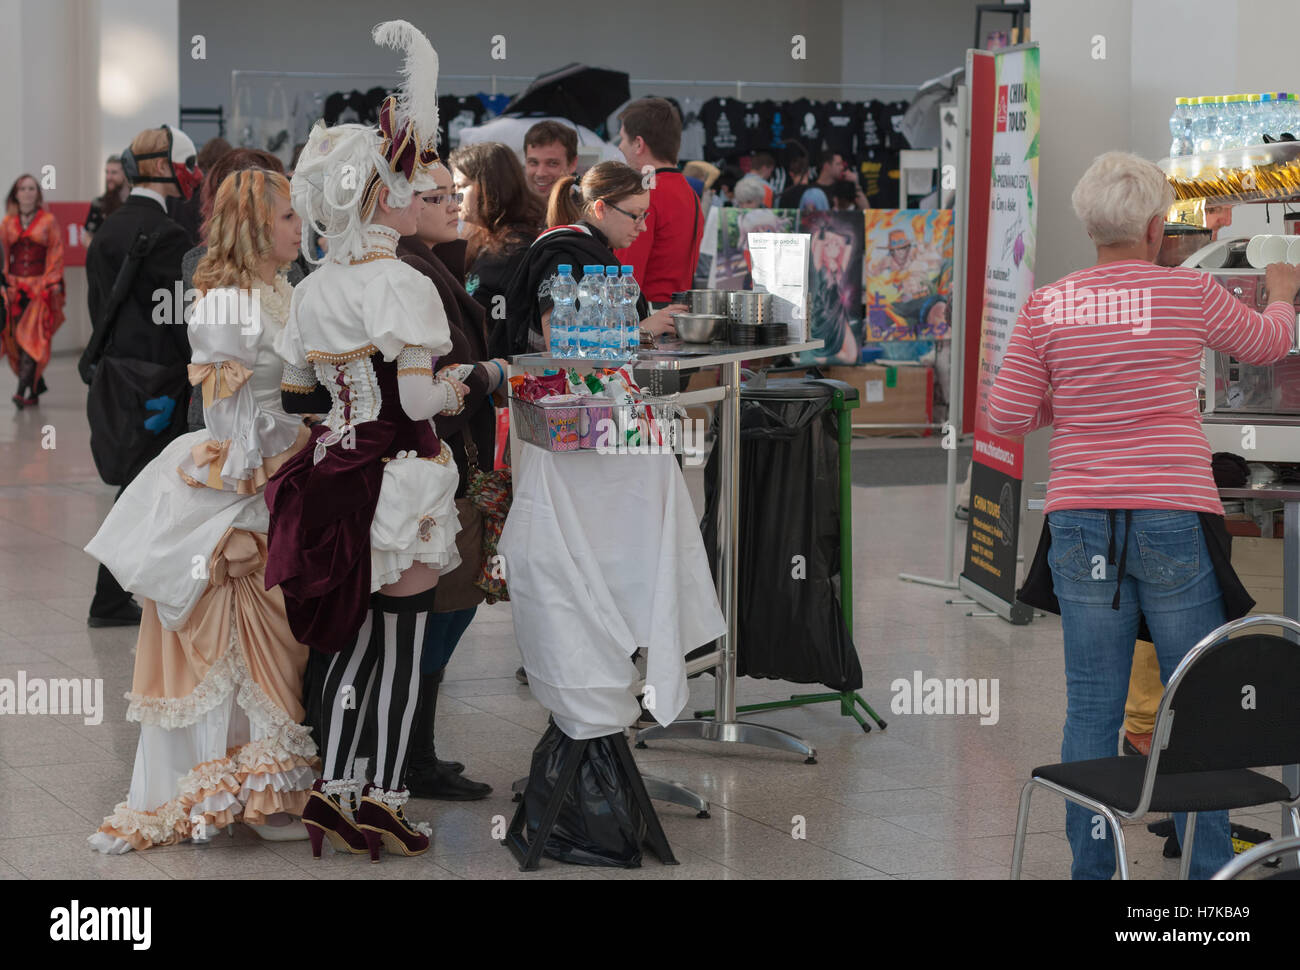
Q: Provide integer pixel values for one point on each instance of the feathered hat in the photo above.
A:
(338, 177)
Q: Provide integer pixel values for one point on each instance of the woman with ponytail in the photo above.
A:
(218, 673)
(589, 218)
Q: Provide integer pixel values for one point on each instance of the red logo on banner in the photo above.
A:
(71, 217)
(1002, 107)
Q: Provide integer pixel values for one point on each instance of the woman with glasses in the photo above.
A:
(500, 216)
(589, 218)
(435, 251)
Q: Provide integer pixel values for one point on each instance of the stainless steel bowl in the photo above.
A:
(700, 328)
(749, 307)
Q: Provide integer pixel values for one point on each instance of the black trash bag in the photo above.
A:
(599, 823)
(788, 628)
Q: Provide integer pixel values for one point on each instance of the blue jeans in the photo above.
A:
(442, 631)
(1168, 579)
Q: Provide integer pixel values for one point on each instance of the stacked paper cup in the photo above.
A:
(1265, 249)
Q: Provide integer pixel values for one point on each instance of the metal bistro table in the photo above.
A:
(676, 356)
(1289, 496)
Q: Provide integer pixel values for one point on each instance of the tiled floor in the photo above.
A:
(931, 797)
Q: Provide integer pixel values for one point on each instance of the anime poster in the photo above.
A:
(731, 263)
(834, 284)
(909, 274)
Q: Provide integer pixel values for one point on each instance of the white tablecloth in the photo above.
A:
(603, 555)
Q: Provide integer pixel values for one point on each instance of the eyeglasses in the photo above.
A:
(444, 198)
(636, 218)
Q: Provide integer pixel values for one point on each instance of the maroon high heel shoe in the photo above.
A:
(381, 820)
(324, 819)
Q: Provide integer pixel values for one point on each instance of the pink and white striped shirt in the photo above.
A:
(1120, 347)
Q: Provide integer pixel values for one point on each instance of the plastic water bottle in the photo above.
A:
(611, 334)
(588, 319)
(631, 318)
(564, 290)
(1200, 124)
(1226, 122)
(1180, 128)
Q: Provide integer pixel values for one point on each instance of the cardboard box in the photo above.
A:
(1258, 563)
(890, 395)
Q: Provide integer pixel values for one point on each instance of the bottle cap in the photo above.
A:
(1182, 101)
(611, 270)
(564, 268)
(627, 270)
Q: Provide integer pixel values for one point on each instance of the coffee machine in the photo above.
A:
(1243, 403)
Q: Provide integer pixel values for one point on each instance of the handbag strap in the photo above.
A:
(471, 451)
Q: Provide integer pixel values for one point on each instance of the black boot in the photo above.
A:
(426, 776)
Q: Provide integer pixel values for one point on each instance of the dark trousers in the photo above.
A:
(110, 597)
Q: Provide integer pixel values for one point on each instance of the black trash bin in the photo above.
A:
(790, 625)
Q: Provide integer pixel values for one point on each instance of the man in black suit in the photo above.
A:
(162, 166)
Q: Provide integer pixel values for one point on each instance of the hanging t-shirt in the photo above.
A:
(870, 118)
(494, 104)
(724, 128)
(838, 132)
(692, 131)
(895, 140)
(807, 121)
(778, 123)
(879, 174)
(757, 130)
(455, 114)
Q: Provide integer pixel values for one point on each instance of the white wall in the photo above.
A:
(669, 39)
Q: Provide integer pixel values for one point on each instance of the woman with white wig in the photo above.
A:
(1109, 357)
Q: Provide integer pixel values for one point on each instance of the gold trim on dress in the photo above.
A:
(298, 388)
(369, 350)
(415, 372)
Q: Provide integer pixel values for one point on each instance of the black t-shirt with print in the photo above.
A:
(838, 126)
(871, 119)
(806, 124)
(724, 128)
(454, 114)
(894, 138)
(879, 175)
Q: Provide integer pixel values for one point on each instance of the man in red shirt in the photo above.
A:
(664, 254)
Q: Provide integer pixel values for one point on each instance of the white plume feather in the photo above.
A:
(418, 96)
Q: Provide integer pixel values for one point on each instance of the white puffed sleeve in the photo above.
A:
(225, 336)
(401, 307)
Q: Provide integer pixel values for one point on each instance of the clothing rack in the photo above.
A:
(495, 79)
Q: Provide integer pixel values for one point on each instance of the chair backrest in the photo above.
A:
(1232, 702)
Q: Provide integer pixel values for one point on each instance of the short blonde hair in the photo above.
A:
(1118, 195)
(240, 229)
(146, 143)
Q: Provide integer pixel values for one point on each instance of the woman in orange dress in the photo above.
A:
(33, 246)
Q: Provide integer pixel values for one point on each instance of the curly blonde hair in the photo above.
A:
(239, 230)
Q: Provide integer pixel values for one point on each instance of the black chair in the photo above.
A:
(1236, 699)
(1259, 855)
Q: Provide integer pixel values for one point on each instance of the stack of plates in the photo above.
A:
(743, 335)
(771, 334)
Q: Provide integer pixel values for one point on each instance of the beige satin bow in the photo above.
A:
(213, 454)
(220, 379)
(238, 554)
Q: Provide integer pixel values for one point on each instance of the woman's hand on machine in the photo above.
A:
(1282, 281)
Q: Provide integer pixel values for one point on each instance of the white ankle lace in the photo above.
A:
(394, 800)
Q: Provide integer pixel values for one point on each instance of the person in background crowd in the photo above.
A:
(1131, 486)
(163, 173)
(706, 176)
(188, 212)
(115, 193)
(437, 253)
(726, 185)
(589, 219)
(762, 164)
(792, 197)
(752, 193)
(664, 253)
(32, 241)
(847, 196)
(550, 153)
(500, 219)
(235, 160)
(218, 674)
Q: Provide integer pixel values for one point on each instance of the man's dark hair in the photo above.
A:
(657, 123)
(762, 159)
(729, 177)
(548, 133)
(798, 165)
